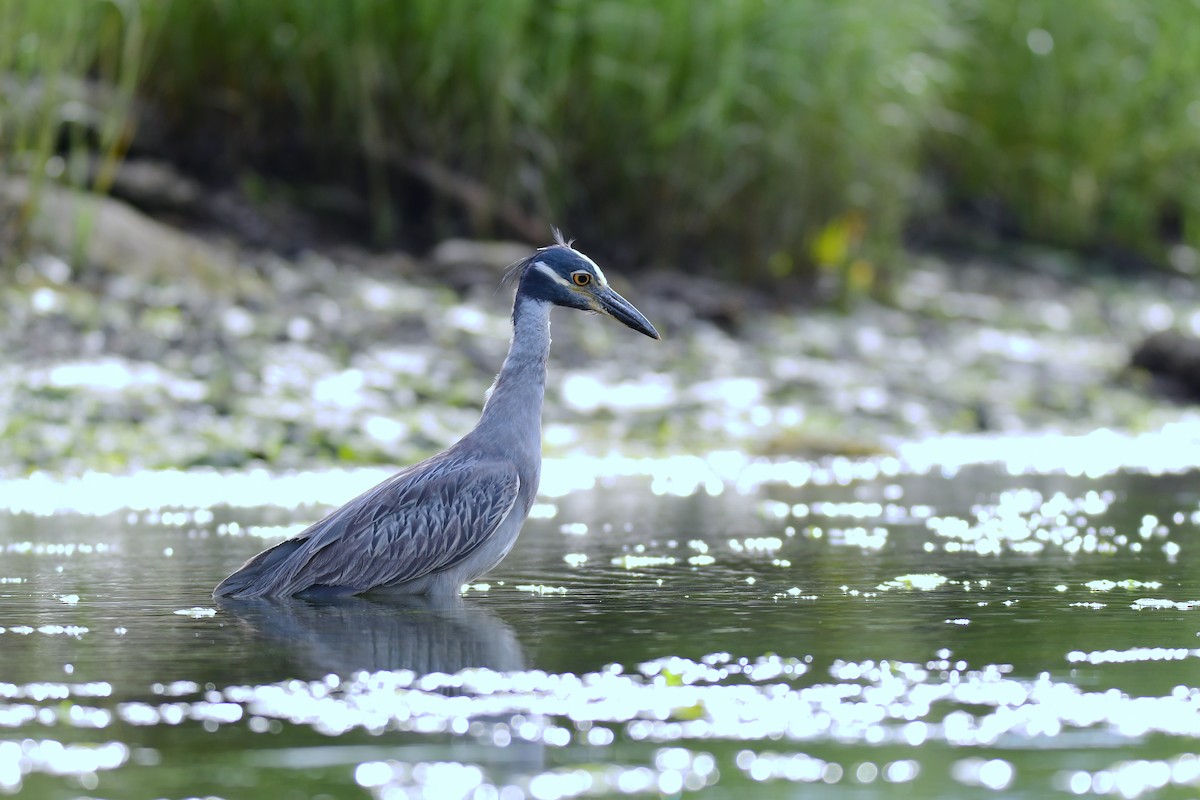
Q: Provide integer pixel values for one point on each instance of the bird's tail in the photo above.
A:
(254, 578)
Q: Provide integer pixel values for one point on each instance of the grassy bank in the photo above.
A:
(727, 132)
(68, 77)
(747, 138)
(1078, 123)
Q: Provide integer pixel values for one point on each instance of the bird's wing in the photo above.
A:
(417, 522)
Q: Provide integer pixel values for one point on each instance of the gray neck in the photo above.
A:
(512, 416)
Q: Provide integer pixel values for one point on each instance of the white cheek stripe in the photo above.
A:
(541, 267)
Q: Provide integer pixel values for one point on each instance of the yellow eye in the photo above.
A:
(581, 278)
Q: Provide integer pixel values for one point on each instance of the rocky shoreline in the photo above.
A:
(170, 348)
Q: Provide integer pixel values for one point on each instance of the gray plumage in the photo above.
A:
(447, 520)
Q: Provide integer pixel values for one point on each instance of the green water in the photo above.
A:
(852, 629)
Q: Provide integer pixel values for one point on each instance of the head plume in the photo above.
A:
(515, 269)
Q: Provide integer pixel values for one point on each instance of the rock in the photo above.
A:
(156, 186)
(465, 264)
(110, 234)
(495, 255)
(255, 212)
(1173, 358)
(704, 298)
(388, 263)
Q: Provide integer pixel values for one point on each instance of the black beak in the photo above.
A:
(623, 311)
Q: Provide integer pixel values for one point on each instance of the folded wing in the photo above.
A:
(422, 520)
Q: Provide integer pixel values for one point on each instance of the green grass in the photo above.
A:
(70, 71)
(1081, 119)
(717, 135)
(748, 138)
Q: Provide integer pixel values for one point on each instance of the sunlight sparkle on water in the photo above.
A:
(99, 494)
(1024, 521)
(19, 759)
(1174, 449)
(674, 769)
(995, 774)
(197, 612)
(868, 702)
(1133, 779)
(922, 558)
(922, 582)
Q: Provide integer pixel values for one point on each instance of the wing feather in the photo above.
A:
(422, 520)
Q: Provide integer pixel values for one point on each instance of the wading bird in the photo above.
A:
(445, 521)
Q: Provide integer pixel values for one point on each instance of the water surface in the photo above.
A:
(863, 628)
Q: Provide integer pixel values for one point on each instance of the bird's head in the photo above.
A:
(562, 275)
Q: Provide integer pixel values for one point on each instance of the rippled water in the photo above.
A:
(912, 625)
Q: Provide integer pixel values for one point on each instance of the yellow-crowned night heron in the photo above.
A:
(449, 519)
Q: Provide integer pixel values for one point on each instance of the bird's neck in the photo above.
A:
(512, 414)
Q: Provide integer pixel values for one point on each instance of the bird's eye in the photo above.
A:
(581, 278)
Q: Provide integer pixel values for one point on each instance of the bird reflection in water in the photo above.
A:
(346, 634)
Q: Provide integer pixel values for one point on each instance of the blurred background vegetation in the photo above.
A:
(747, 138)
